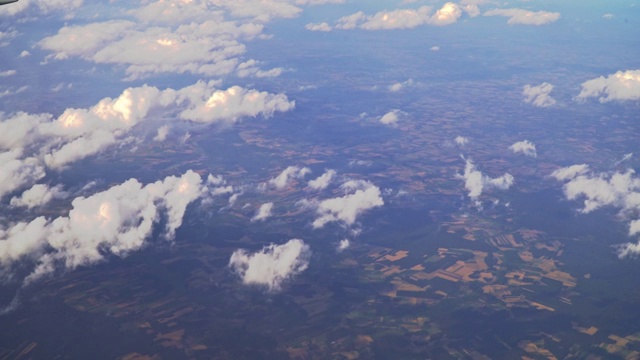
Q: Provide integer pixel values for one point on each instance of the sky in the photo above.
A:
(80, 79)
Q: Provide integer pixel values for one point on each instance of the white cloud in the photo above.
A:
(38, 195)
(526, 147)
(162, 133)
(390, 118)
(79, 133)
(624, 158)
(619, 190)
(395, 87)
(17, 171)
(115, 221)
(263, 212)
(209, 105)
(251, 68)
(25, 53)
(608, 16)
(570, 172)
(621, 86)
(173, 37)
(343, 245)
(476, 182)
(538, 95)
(461, 140)
(287, 175)
(401, 18)
(323, 180)
(525, 17)
(7, 73)
(359, 197)
(7, 35)
(435, 48)
(323, 26)
(41, 6)
(273, 265)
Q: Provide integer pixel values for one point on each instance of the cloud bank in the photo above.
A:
(525, 17)
(448, 14)
(31, 143)
(116, 221)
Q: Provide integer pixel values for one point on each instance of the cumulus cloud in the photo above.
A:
(287, 175)
(32, 143)
(621, 86)
(263, 212)
(525, 17)
(7, 73)
(401, 18)
(321, 182)
(526, 147)
(38, 195)
(273, 265)
(359, 197)
(476, 182)
(116, 221)
(173, 37)
(619, 190)
(343, 245)
(391, 118)
(395, 87)
(538, 95)
(461, 141)
(323, 26)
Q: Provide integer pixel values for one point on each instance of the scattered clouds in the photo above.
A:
(359, 197)
(526, 147)
(323, 180)
(476, 182)
(30, 143)
(42, 7)
(38, 195)
(287, 175)
(449, 13)
(538, 95)
(115, 221)
(619, 189)
(323, 26)
(621, 86)
(273, 265)
(525, 17)
(173, 37)
(7, 73)
(263, 212)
